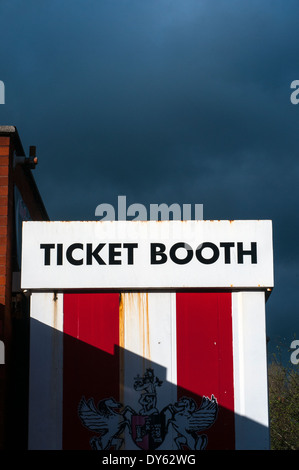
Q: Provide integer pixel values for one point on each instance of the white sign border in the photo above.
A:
(170, 276)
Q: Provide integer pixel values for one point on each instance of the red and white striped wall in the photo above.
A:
(159, 364)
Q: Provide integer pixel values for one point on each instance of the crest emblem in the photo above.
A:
(149, 427)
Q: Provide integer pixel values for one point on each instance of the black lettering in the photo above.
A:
(214, 257)
(252, 253)
(94, 254)
(174, 257)
(227, 246)
(113, 253)
(47, 247)
(59, 254)
(130, 247)
(69, 254)
(157, 249)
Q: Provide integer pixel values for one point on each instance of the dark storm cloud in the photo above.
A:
(147, 85)
(163, 101)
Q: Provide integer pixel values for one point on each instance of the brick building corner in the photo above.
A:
(19, 200)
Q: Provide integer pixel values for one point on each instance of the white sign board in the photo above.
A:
(147, 255)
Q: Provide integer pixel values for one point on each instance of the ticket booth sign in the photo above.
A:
(148, 335)
(142, 255)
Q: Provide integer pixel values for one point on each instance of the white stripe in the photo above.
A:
(149, 341)
(250, 371)
(45, 379)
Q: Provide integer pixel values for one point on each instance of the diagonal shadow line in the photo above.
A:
(93, 373)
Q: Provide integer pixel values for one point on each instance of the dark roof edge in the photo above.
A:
(8, 131)
(12, 131)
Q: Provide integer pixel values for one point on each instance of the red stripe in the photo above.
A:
(205, 358)
(91, 358)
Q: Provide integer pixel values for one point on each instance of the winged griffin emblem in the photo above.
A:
(105, 419)
(188, 420)
(148, 427)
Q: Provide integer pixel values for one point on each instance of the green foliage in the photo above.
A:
(283, 406)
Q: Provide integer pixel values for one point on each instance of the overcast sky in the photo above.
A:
(183, 101)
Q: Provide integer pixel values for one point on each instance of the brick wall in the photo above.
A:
(6, 210)
(14, 306)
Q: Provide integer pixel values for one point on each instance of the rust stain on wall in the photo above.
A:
(121, 347)
(134, 325)
(144, 331)
(55, 313)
